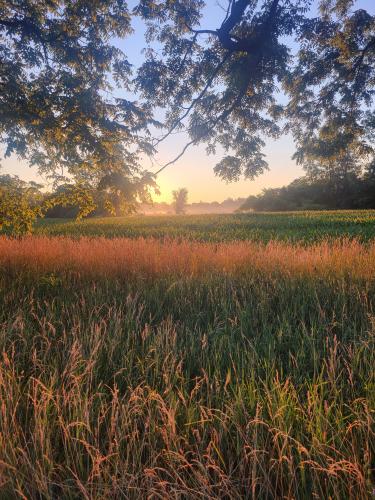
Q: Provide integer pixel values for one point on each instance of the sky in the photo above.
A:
(194, 170)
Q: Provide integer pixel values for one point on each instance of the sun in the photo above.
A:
(165, 189)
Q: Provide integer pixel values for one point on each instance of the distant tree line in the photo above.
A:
(228, 205)
(309, 193)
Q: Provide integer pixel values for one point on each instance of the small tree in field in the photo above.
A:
(180, 200)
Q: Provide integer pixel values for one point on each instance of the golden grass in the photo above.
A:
(146, 256)
(221, 388)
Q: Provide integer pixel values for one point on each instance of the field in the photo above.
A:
(262, 227)
(189, 357)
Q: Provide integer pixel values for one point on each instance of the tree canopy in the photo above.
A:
(269, 67)
(57, 107)
(331, 89)
(221, 84)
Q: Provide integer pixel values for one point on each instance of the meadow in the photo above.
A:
(189, 357)
(263, 227)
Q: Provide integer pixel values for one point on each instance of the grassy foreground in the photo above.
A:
(147, 369)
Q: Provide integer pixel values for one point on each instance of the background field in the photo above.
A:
(291, 226)
(177, 369)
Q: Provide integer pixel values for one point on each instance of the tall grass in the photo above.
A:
(121, 257)
(143, 369)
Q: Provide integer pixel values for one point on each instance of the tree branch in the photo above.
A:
(198, 98)
(232, 44)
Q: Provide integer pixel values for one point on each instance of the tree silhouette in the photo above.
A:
(180, 200)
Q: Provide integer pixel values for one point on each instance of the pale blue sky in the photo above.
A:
(195, 169)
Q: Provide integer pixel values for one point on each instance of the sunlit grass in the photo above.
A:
(118, 257)
(160, 368)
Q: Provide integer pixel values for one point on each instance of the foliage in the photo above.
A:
(61, 71)
(180, 200)
(220, 85)
(208, 386)
(225, 79)
(60, 111)
(318, 193)
(118, 195)
(20, 204)
(74, 195)
(331, 110)
(57, 106)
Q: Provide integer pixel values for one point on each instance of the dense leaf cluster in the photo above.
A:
(221, 85)
(58, 109)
